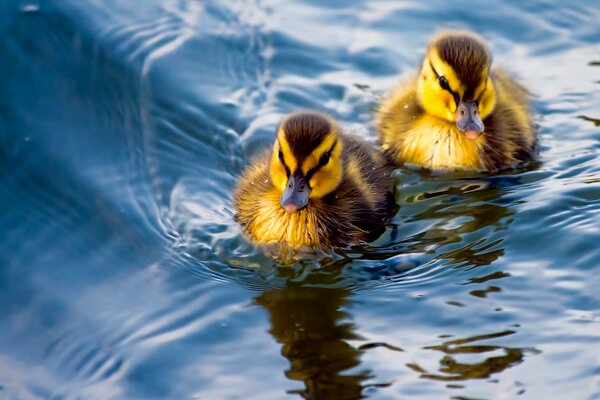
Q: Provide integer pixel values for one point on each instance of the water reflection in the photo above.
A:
(595, 121)
(316, 335)
(495, 358)
(442, 222)
(455, 208)
(314, 329)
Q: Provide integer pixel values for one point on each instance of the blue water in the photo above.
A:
(124, 126)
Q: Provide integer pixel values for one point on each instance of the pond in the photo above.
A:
(124, 126)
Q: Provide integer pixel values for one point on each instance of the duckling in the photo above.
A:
(317, 188)
(458, 114)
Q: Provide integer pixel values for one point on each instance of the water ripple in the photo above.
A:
(124, 127)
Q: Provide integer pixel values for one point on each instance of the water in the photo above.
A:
(123, 128)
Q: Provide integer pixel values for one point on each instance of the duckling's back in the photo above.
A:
(363, 201)
(510, 135)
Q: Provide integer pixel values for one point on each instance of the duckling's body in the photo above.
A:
(347, 182)
(458, 114)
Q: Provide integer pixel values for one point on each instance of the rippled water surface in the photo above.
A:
(124, 126)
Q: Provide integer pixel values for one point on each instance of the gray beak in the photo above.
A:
(295, 196)
(468, 120)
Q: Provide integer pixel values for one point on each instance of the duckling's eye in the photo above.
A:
(325, 158)
(444, 83)
(280, 155)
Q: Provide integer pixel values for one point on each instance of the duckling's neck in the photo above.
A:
(437, 144)
(273, 225)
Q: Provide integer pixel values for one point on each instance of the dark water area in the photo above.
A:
(124, 126)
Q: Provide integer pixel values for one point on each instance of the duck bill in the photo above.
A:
(468, 120)
(295, 196)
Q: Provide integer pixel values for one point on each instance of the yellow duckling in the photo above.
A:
(317, 188)
(458, 114)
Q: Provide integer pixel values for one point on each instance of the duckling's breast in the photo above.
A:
(438, 145)
(271, 224)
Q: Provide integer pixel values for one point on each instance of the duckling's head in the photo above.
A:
(454, 83)
(307, 159)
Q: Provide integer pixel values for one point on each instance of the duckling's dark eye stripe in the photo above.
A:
(444, 84)
(280, 155)
(322, 162)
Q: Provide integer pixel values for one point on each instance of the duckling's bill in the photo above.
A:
(468, 120)
(295, 195)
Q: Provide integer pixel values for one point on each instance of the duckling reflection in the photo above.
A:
(463, 211)
(314, 332)
(452, 370)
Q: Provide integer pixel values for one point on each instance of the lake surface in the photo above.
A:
(124, 126)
